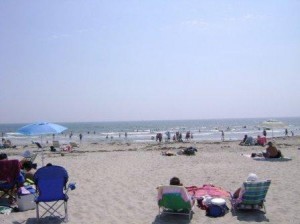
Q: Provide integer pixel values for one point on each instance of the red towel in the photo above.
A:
(9, 170)
(208, 189)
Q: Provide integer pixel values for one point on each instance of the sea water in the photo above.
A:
(145, 131)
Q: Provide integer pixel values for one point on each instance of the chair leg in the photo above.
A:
(66, 211)
(37, 212)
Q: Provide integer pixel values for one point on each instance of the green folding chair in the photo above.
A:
(253, 198)
(175, 200)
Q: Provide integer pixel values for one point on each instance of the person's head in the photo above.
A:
(175, 181)
(270, 144)
(3, 156)
(252, 177)
(28, 165)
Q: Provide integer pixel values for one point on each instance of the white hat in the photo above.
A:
(26, 154)
(252, 177)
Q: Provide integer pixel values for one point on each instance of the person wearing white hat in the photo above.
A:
(252, 177)
(26, 157)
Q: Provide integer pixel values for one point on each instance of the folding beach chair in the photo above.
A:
(74, 144)
(51, 189)
(10, 178)
(56, 144)
(253, 198)
(174, 200)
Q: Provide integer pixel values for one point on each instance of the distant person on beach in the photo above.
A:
(71, 134)
(187, 135)
(244, 140)
(286, 132)
(180, 137)
(80, 137)
(125, 134)
(252, 177)
(272, 151)
(265, 133)
(7, 143)
(292, 133)
(222, 136)
(159, 137)
(261, 140)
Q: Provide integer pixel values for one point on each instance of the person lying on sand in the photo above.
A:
(168, 153)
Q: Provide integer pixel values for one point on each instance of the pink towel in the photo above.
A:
(208, 189)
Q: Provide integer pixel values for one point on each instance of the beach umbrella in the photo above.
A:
(40, 129)
(271, 124)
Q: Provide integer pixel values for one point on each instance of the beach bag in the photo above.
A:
(217, 208)
(190, 151)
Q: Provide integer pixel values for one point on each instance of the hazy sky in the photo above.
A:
(148, 60)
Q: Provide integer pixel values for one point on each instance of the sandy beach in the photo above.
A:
(116, 182)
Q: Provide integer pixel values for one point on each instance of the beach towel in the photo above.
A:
(267, 159)
(208, 189)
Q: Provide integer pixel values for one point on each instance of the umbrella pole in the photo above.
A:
(42, 151)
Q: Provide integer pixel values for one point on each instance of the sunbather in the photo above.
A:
(29, 170)
(272, 151)
(176, 181)
(252, 177)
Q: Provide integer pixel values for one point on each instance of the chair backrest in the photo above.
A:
(55, 144)
(51, 182)
(174, 198)
(255, 192)
(9, 170)
(33, 157)
(74, 144)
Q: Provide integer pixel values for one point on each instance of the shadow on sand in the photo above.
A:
(251, 216)
(174, 219)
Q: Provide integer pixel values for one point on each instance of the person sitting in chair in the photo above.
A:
(272, 151)
(29, 170)
(252, 177)
(175, 181)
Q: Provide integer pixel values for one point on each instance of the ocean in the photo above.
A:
(144, 131)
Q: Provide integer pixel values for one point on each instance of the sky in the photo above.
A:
(80, 61)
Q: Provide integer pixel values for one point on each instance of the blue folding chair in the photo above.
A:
(51, 189)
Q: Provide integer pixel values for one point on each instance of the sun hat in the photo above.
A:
(26, 154)
(252, 177)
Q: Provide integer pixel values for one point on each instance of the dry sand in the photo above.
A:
(116, 182)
